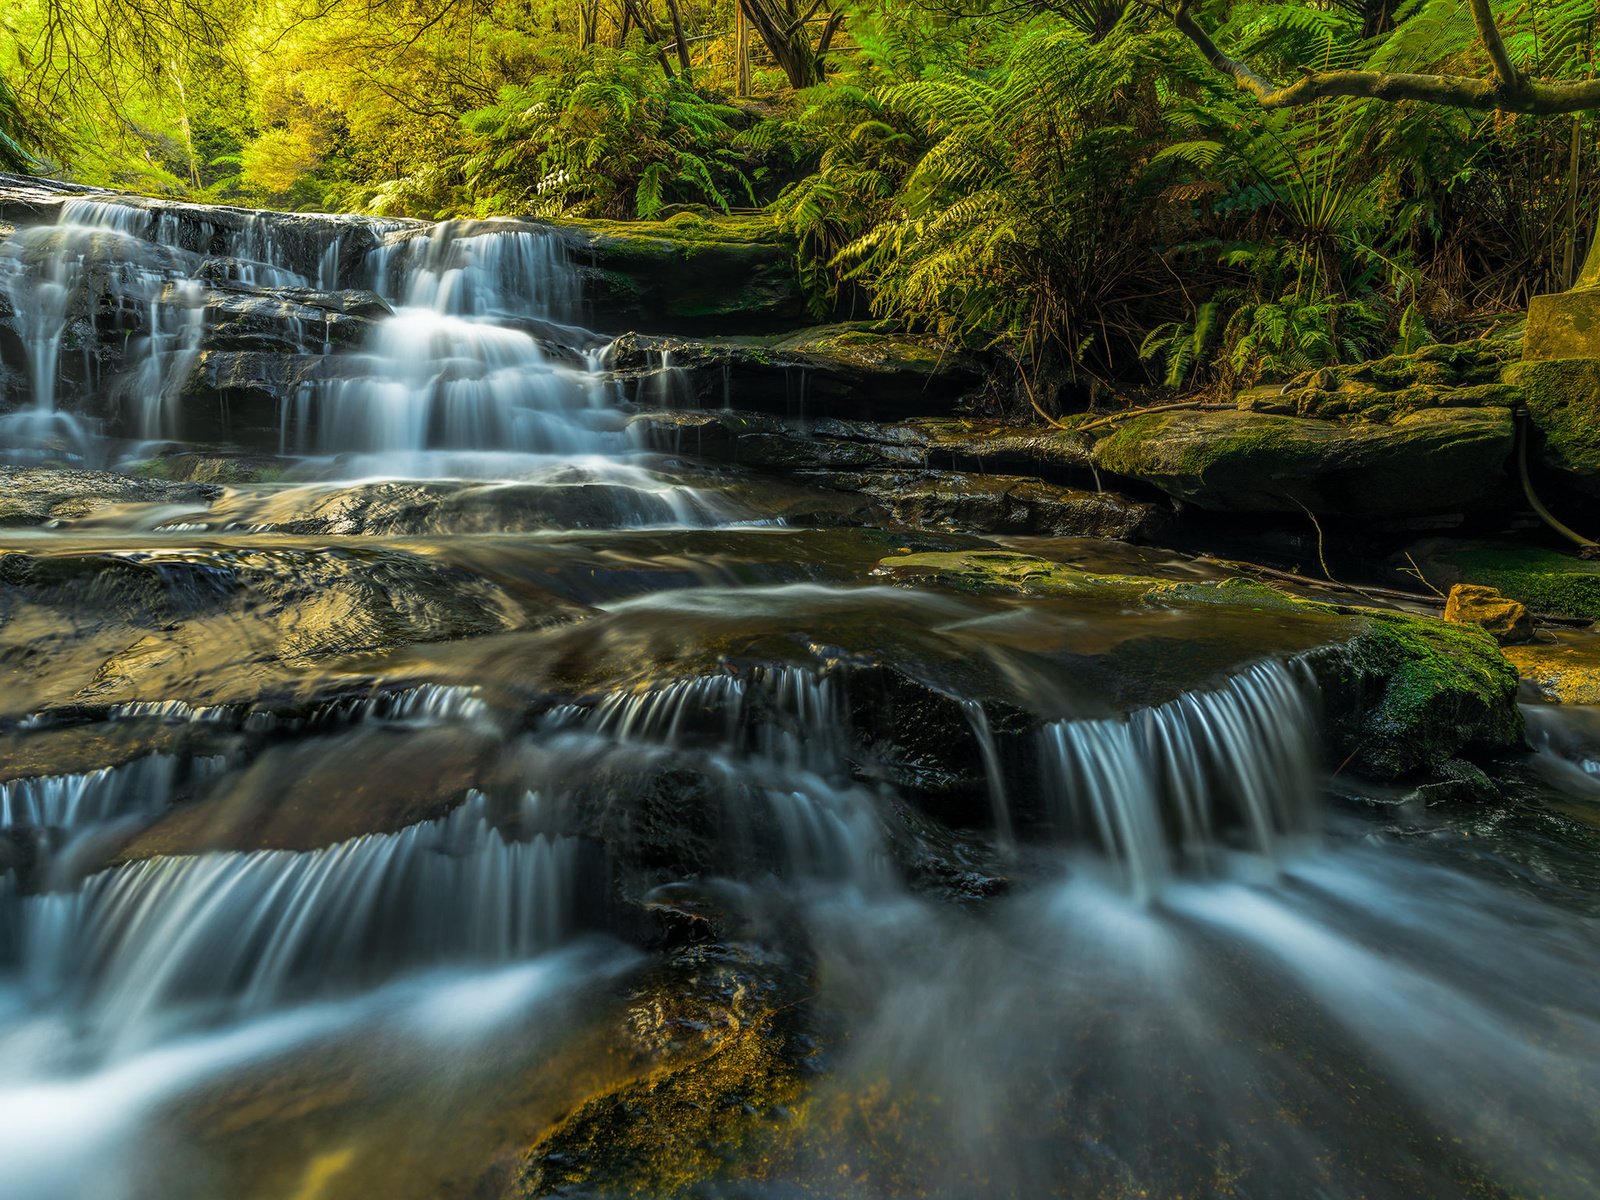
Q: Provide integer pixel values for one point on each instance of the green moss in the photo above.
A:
(1142, 445)
(732, 1109)
(1004, 571)
(1404, 693)
(1561, 585)
(1410, 693)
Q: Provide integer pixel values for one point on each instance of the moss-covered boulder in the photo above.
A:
(1408, 694)
(1563, 399)
(689, 274)
(1433, 461)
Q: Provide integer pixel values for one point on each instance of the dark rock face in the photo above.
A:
(896, 467)
(997, 504)
(837, 371)
(687, 275)
(1563, 399)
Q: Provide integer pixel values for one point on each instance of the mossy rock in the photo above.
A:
(1409, 693)
(1547, 581)
(1429, 462)
(1563, 399)
(688, 275)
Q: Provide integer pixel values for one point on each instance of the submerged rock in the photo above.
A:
(1565, 670)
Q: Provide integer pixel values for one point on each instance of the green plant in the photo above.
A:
(610, 134)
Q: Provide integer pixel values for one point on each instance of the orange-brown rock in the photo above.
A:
(1472, 604)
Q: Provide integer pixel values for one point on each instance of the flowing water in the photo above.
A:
(368, 821)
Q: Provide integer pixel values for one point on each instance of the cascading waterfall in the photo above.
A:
(145, 950)
(444, 372)
(101, 256)
(1163, 786)
(773, 741)
(71, 803)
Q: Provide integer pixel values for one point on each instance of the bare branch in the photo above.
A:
(1509, 91)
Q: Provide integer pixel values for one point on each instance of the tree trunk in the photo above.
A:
(782, 26)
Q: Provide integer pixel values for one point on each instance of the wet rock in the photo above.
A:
(569, 501)
(1003, 504)
(733, 1050)
(1565, 670)
(955, 443)
(1434, 461)
(1505, 620)
(216, 626)
(1402, 693)
(1409, 693)
(292, 321)
(317, 792)
(1457, 782)
(687, 275)
(39, 495)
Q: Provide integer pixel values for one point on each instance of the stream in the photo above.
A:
(448, 793)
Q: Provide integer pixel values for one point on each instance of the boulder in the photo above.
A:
(1564, 325)
(688, 274)
(1507, 621)
(1429, 462)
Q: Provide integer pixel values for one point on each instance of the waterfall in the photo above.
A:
(443, 373)
(145, 950)
(771, 743)
(98, 263)
(1165, 784)
(74, 802)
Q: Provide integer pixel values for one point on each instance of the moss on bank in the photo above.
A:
(1546, 581)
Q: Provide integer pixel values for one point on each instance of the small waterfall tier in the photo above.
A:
(146, 949)
(1186, 782)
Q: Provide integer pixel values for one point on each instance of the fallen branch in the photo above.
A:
(1157, 408)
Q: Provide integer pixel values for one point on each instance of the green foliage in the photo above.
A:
(1026, 217)
(609, 135)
